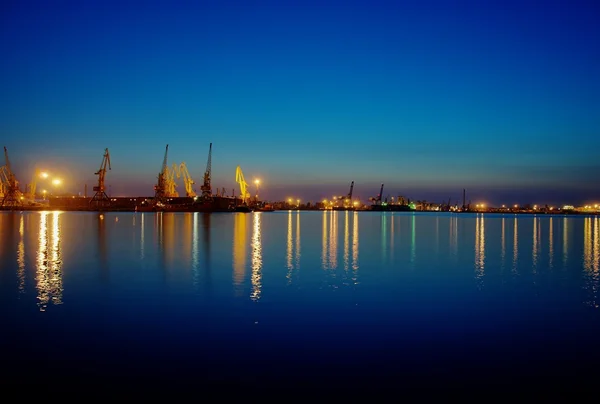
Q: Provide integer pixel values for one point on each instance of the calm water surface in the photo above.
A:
(284, 299)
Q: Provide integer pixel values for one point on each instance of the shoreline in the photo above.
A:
(133, 210)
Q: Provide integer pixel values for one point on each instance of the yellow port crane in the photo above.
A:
(3, 181)
(12, 195)
(180, 171)
(100, 197)
(239, 178)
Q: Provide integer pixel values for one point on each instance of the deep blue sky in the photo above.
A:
(428, 97)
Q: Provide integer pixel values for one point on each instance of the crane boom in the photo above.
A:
(180, 171)
(239, 178)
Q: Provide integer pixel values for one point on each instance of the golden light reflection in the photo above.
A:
(591, 260)
(550, 243)
(292, 248)
(256, 279)
(333, 238)
(535, 246)
(596, 252)
(289, 252)
(479, 248)
(355, 246)
(346, 242)
(21, 256)
(515, 246)
(195, 260)
(239, 251)
(188, 238)
(49, 264)
(324, 243)
(587, 244)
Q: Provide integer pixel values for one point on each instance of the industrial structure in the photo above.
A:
(11, 195)
(206, 186)
(160, 189)
(179, 171)
(100, 199)
(239, 178)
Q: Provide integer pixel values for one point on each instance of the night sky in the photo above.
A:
(429, 97)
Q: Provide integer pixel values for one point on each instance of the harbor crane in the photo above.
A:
(12, 195)
(3, 181)
(180, 171)
(239, 178)
(100, 198)
(160, 187)
(377, 199)
(206, 187)
(346, 199)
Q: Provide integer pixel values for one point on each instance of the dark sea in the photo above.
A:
(343, 302)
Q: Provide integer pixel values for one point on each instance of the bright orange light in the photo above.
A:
(44, 175)
(56, 181)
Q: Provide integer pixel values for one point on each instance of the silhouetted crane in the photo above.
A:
(206, 187)
(100, 198)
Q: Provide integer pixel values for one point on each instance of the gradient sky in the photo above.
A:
(428, 97)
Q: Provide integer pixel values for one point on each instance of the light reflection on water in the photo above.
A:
(21, 255)
(49, 263)
(479, 249)
(194, 288)
(239, 252)
(180, 244)
(256, 257)
(591, 260)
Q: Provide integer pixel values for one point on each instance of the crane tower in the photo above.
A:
(206, 187)
(160, 187)
(12, 195)
(100, 198)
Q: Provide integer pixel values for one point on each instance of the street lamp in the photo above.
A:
(257, 182)
(44, 174)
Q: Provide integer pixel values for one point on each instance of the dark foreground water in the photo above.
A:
(335, 300)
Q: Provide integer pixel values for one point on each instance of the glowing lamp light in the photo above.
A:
(44, 175)
(56, 181)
